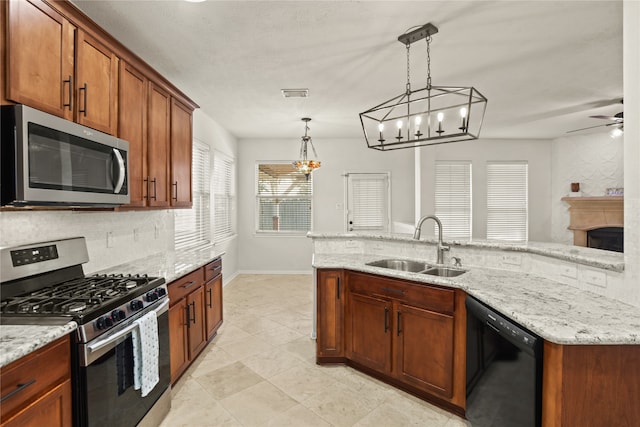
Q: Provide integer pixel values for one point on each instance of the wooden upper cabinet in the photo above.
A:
(40, 57)
(132, 127)
(97, 84)
(181, 145)
(158, 116)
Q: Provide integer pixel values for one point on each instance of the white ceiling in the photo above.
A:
(544, 66)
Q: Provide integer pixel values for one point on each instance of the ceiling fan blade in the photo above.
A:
(590, 127)
(612, 118)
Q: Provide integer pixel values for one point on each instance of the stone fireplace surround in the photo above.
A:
(590, 213)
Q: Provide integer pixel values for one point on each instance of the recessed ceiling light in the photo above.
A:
(295, 93)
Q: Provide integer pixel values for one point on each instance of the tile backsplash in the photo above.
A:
(112, 237)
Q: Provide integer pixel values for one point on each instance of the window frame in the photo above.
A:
(378, 176)
(502, 208)
(258, 197)
(229, 196)
(446, 225)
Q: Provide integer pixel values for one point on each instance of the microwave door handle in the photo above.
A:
(122, 169)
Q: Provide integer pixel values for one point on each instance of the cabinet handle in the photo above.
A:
(188, 285)
(188, 310)
(386, 319)
(84, 110)
(395, 291)
(146, 181)
(194, 312)
(70, 81)
(18, 389)
(175, 184)
(338, 289)
(210, 291)
(154, 189)
(398, 328)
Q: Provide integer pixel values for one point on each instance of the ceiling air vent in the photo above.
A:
(295, 93)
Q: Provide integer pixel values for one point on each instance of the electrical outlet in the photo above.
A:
(351, 244)
(136, 234)
(156, 231)
(512, 259)
(594, 277)
(109, 239)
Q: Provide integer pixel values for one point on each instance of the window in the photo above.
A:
(283, 199)
(193, 226)
(367, 201)
(507, 201)
(453, 198)
(223, 197)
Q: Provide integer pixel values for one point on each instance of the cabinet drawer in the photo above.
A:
(212, 269)
(186, 284)
(33, 375)
(426, 296)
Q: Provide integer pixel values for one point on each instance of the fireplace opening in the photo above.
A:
(607, 238)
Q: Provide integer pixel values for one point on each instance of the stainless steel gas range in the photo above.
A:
(44, 284)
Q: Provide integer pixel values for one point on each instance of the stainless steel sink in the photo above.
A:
(400, 264)
(444, 272)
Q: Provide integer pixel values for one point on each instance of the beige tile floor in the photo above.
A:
(260, 370)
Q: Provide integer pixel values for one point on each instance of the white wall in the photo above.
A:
(208, 131)
(595, 161)
(479, 152)
(293, 254)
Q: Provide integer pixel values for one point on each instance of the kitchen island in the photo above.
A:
(591, 342)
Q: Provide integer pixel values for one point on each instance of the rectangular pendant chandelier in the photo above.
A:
(428, 116)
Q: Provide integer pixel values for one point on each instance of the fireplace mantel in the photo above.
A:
(589, 213)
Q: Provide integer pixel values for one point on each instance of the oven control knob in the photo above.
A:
(161, 292)
(118, 315)
(108, 322)
(136, 304)
(152, 296)
(100, 323)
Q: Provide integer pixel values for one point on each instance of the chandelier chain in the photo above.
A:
(408, 70)
(428, 38)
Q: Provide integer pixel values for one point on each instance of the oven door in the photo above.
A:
(105, 392)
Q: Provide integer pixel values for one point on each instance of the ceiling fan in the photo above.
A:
(616, 120)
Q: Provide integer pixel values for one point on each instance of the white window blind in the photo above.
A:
(453, 198)
(223, 197)
(507, 201)
(193, 226)
(368, 201)
(283, 199)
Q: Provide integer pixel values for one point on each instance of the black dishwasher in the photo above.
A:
(504, 370)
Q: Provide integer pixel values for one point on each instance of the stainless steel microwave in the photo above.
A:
(49, 161)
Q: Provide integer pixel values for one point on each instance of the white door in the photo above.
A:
(367, 202)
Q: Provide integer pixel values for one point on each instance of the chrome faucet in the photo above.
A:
(441, 248)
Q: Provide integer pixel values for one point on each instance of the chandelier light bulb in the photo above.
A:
(380, 127)
(463, 112)
(616, 132)
(418, 134)
(399, 124)
(440, 116)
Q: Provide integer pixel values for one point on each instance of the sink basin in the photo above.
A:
(400, 264)
(444, 272)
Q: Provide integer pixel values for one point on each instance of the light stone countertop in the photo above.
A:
(19, 340)
(606, 260)
(558, 313)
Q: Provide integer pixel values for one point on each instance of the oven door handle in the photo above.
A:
(93, 347)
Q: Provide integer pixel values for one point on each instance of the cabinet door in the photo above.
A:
(39, 57)
(424, 349)
(330, 298)
(158, 113)
(52, 409)
(369, 332)
(213, 301)
(132, 127)
(196, 322)
(181, 142)
(178, 338)
(97, 84)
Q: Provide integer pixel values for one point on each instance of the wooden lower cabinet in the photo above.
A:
(591, 385)
(409, 334)
(36, 389)
(192, 321)
(213, 306)
(330, 295)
